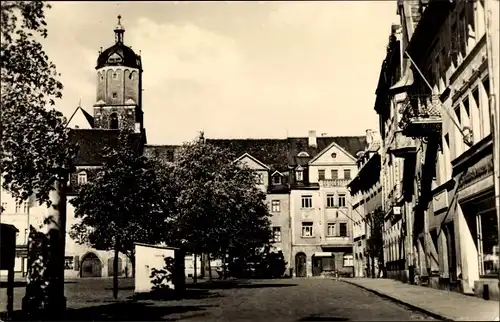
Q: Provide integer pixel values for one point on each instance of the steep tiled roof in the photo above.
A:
(91, 144)
(275, 153)
(272, 152)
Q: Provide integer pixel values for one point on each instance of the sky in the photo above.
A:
(232, 69)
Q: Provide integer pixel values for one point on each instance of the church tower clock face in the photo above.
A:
(119, 86)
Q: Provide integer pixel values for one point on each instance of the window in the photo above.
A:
(277, 234)
(341, 200)
(347, 174)
(259, 178)
(335, 174)
(18, 207)
(307, 201)
(277, 179)
(115, 95)
(331, 229)
(334, 155)
(82, 178)
(343, 229)
(4, 207)
(330, 201)
(115, 75)
(307, 229)
(113, 121)
(348, 260)
(275, 206)
(299, 175)
(26, 207)
(321, 174)
(303, 154)
(68, 262)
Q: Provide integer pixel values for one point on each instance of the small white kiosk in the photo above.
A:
(148, 257)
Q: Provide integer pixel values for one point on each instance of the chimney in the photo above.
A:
(312, 139)
(369, 137)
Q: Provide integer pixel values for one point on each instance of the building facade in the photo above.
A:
(443, 138)
(366, 194)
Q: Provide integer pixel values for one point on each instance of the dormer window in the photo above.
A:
(82, 178)
(277, 179)
(259, 178)
(299, 174)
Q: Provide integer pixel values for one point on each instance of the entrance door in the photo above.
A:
(91, 266)
(300, 265)
(317, 266)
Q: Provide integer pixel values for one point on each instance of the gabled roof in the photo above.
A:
(246, 155)
(276, 172)
(333, 144)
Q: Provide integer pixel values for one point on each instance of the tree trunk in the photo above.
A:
(202, 264)
(115, 272)
(132, 261)
(195, 277)
(209, 268)
(373, 267)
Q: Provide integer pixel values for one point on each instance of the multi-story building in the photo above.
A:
(447, 182)
(366, 194)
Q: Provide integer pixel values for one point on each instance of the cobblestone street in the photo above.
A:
(269, 300)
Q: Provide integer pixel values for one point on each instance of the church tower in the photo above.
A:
(119, 87)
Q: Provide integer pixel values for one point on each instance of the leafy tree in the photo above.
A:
(217, 205)
(375, 243)
(121, 206)
(34, 140)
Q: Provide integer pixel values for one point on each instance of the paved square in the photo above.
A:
(256, 300)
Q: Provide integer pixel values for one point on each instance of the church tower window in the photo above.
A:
(113, 121)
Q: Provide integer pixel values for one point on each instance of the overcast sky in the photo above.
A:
(233, 69)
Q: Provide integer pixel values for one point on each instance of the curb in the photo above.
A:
(398, 301)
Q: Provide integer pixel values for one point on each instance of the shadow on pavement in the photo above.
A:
(3, 284)
(322, 318)
(125, 311)
(169, 295)
(220, 285)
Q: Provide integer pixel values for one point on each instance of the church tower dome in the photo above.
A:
(119, 54)
(119, 86)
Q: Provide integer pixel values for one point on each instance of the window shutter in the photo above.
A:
(76, 264)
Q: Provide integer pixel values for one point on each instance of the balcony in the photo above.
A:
(421, 116)
(336, 241)
(401, 145)
(327, 183)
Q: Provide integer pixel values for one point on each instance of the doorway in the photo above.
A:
(91, 266)
(300, 265)
(317, 266)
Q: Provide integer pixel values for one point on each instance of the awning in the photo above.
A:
(323, 254)
(403, 83)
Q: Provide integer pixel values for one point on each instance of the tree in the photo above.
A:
(36, 152)
(121, 206)
(34, 140)
(217, 205)
(375, 243)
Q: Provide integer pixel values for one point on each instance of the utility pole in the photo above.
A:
(492, 13)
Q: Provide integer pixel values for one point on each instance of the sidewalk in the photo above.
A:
(440, 304)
